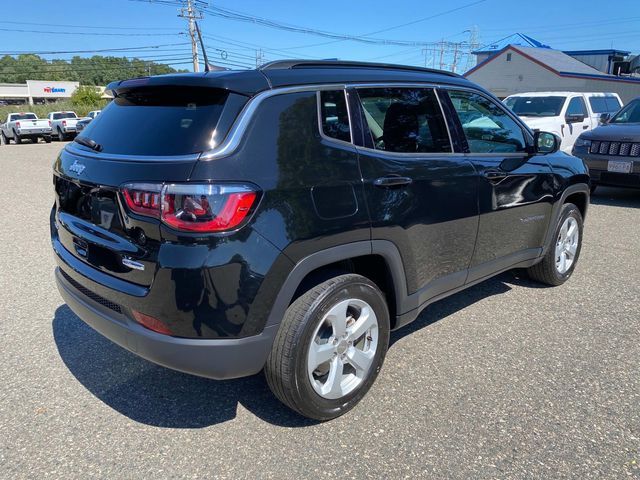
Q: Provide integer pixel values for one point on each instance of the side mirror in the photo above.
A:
(546, 142)
(574, 118)
(604, 118)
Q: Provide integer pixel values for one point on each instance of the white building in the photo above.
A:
(506, 68)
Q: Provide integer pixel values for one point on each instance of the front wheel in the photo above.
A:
(560, 260)
(330, 347)
(3, 139)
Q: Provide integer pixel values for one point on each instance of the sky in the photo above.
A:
(83, 25)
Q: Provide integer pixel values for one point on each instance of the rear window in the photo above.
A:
(23, 116)
(158, 121)
(604, 104)
(59, 116)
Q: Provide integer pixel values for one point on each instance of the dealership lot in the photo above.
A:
(506, 379)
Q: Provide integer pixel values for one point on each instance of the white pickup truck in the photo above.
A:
(567, 114)
(63, 124)
(26, 125)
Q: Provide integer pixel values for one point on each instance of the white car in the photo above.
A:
(567, 114)
(25, 125)
(63, 124)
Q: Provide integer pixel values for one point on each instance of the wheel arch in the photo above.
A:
(578, 192)
(377, 260)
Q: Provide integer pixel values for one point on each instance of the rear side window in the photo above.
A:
(405, 120)
(487, 127)
(334, 116)
(604, 104)
(577, 107)
(158, 121)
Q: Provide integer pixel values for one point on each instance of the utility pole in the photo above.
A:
(191, 14)
(441, 54)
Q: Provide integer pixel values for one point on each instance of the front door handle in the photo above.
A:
(495, 175)
(584, 127)
(392, 181)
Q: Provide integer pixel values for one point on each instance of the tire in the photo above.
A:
(61, 136)
(47, 138)
(593, 187)
(17, 139)
(551, 270)
(305, 322)
(3, 139)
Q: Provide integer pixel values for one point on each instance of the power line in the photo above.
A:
(48, 32)
(84, 26)
(57, 52)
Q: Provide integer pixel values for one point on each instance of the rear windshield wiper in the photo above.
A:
(87, 142)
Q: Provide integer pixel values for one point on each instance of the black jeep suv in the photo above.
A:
(287, 218)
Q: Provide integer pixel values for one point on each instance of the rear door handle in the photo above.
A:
(392, 181)
(495, 175)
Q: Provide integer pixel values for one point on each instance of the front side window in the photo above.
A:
(577, 107)
(629, 114)
(487, 127)
(334, 116)
(405, 120)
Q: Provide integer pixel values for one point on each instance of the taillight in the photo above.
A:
(204, 208)
(17, 124)
(64, 123)
(143, 198)
(49, 122)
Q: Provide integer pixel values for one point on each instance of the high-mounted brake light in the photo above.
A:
(203, 208)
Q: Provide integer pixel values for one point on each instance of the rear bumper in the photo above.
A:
(218, 358)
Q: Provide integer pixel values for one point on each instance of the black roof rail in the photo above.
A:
(291, 64)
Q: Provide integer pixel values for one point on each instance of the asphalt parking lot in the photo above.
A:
(504, 380)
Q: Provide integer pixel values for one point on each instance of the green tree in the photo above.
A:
(86, 96)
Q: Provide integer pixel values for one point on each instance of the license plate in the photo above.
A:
(619, 167)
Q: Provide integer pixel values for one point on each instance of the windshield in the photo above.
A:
(58, 116)
(535, 106)
(158, 121)
(604, 104)
(23, 116)
(629, 114)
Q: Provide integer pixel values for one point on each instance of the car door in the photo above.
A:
(421, 195)
(515, 189)
(577, 120)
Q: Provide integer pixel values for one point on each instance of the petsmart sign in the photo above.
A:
(48, 89)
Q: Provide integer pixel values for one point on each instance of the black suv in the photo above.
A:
(612, 151)
(287, 218)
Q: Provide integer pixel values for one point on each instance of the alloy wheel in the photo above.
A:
(343, 348)
(567, 245)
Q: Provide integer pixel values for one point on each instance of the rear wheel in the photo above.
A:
(47, 138)
(330, 347)
(560, 260)
(61, 136)
(17, 138)
(3, 139)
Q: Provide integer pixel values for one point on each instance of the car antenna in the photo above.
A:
(207, 68)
